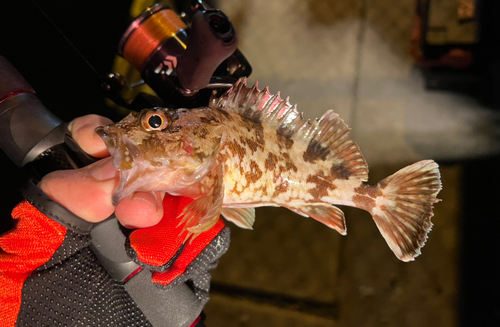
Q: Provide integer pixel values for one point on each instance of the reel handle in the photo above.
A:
(211, 41)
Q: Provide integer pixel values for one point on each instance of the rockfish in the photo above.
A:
(249, 149)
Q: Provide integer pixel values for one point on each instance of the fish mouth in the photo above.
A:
(113, 142)
(110, 139)
(120, 147)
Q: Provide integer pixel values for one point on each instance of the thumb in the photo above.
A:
(86, 192)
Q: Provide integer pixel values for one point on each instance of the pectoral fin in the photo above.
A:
(326, 214)
(241, 217)
(202, 214)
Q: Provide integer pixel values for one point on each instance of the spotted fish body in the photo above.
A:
(249, 148)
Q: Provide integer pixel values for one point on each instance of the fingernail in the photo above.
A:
(155, 199)
(96, 136)
(70, 126)
(149, 197)
(103, 170)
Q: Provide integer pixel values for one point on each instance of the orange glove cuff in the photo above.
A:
(30, 244)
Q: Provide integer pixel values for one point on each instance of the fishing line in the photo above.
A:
(67, 40)
(148, 33)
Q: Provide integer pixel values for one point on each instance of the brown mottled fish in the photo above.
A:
(249, 148)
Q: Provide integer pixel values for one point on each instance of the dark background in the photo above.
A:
(63, 49)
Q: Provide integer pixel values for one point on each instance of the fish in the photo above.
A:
(249, 148)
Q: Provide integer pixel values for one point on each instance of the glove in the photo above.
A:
(162, 250)
(170, 264)
(51, 277)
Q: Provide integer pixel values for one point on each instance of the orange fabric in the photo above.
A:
(30, 244)
(189, 253)
(158, 244)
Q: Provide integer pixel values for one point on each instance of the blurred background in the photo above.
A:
(414, 79)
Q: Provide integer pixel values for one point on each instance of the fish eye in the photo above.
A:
(154, 121)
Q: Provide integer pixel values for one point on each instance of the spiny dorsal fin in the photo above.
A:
(326, 138)
(261, 106)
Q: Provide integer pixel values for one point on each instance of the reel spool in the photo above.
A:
(154, 40)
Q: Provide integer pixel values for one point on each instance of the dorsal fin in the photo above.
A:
(261, 106)
(326, 138)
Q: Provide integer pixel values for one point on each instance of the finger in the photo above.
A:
(82, 131)
(86, 192)
(140, 209)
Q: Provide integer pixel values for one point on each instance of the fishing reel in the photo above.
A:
(182, 56)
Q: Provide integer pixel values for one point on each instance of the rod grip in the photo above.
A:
(29, 132)
(11, 81)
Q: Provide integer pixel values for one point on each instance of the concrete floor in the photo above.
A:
(352, 57)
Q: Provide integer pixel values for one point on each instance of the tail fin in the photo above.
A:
(403, 215)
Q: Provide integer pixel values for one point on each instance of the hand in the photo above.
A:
(87, 191)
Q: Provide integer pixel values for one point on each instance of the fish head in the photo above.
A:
(161, 149)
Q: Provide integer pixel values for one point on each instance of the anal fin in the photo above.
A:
(241, 217)
(325, 213)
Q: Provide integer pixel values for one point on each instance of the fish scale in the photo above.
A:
(250, 148)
